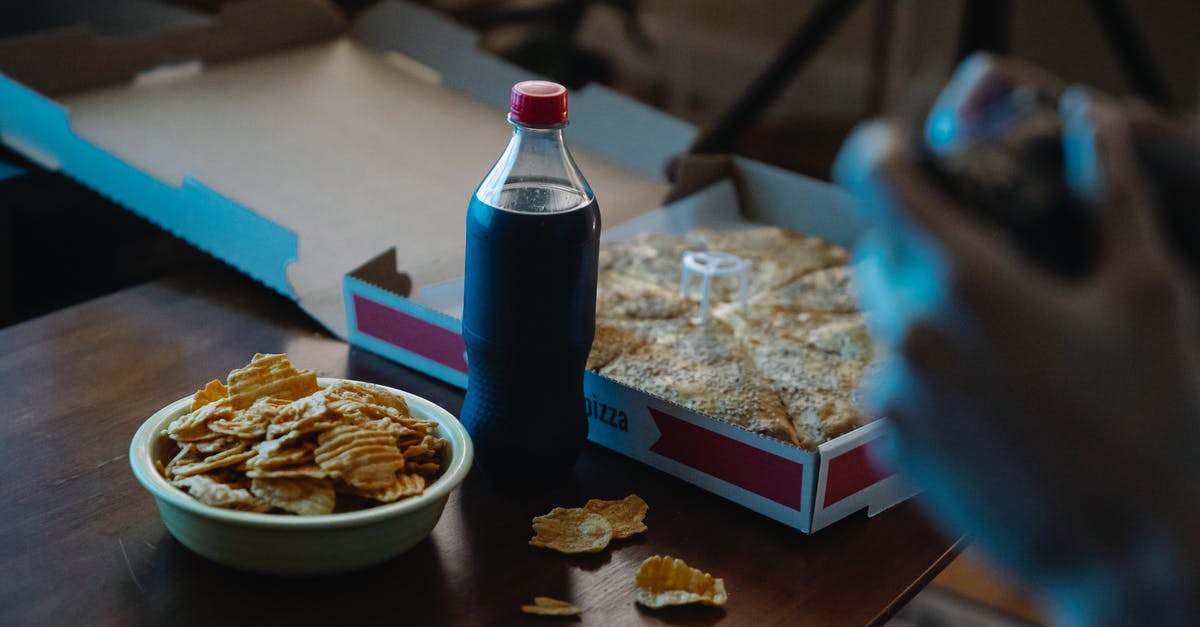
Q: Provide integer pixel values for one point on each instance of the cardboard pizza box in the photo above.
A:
(807, 490)
(333, 163)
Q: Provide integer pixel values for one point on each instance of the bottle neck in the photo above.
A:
(536, 157)
(544, 144)
(548, 132)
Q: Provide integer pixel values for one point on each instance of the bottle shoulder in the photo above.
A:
(537, 196)
(579, 223)
(535, 174)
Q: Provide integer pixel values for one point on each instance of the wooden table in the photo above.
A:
(82, 543)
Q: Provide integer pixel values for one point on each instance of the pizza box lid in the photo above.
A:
(295, 146)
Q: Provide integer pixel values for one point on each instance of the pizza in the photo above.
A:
(787, 365)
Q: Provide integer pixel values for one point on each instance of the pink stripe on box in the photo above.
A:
(849, 473)
(408, 332)
(765, 474)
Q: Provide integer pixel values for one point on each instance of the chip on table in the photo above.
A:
(663, 581)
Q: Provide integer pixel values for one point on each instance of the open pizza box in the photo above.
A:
(333, 163)
(807, 490)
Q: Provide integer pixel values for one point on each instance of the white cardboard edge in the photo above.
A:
(876, 497)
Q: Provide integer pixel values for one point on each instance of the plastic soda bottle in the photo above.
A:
(533, 230)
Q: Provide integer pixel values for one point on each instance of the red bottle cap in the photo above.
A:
(538, 103)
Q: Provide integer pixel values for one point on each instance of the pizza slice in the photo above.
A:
(705, 368)
(777, 256)
(828, 290)
(622, 297)
(815, 361)
(651, 258)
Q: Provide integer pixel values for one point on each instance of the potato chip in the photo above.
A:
(311, 471)
(663, 581)
(363, 414)
(546, 606)
(215, 444)
(571, 530)
(277, 453)
(369, 394)
(186, 454)
(364, 459)
(269, 375)
(207, 490)
(214, 391)
(252, 422)
(407, 437)
(240, 426)
(306, 415)
(361, 402)
(194, 425)
(267, 408)
(405, 485)
(230, 457)
(424, 468)
(410, 484)
(428, 447)
(307, 497)
(416, 424)
(624, 516)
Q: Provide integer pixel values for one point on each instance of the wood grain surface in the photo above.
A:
(82, 543)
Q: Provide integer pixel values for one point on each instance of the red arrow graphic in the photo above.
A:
(765, 474)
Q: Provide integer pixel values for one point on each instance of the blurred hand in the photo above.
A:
(1058, 423)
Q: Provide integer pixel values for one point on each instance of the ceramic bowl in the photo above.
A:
(299, 545)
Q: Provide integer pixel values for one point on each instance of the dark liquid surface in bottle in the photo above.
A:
(528, 323)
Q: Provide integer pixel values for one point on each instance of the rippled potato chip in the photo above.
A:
(278, 453)
(250, 424)
(363, 458)
(624, 516)
(304, 496)
(405, 485)
(185, 454)
(422, 468)
(194, 425)
(269, 375)
(312, 471)
(310, 414)
(360, 402)
(215, 444)
(546, 606)
(571, 530)
(663, 581)
(214, 391)
(230, 457)
(212, 492)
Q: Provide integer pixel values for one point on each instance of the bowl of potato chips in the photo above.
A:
(280, 472)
